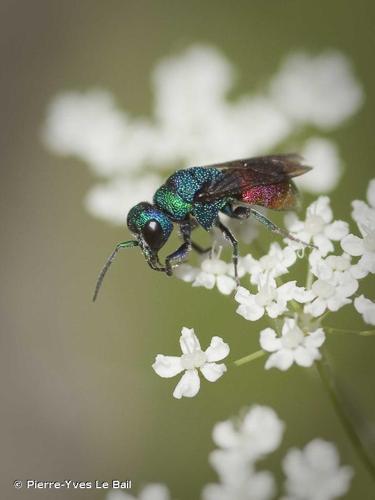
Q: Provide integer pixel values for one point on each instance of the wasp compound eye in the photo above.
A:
(152, 233)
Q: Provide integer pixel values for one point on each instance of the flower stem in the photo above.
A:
(330, 385)
(309, 277)
(364, 333)
(249, 358)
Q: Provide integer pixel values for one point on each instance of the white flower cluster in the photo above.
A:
(194, 123)
(241, 445)
(332, 281)
(212, 272)
(292, 346)
(313, 473)
(363, 246)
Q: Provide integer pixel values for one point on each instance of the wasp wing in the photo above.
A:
(241, 175)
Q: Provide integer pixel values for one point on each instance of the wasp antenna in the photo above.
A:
(111, 258)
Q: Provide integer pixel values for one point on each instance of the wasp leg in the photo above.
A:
(276, 229)
(199, 249)
(151, 257)
(182, 252)
(241, 213)
(155, 265)
(229, 236)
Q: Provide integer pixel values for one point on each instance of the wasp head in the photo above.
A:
(150, 226)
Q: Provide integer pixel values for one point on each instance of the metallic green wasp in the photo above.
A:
(196, 196)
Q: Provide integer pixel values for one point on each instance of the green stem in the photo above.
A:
(324, 315)
(249, 358)
(309, 277)
(363, 333)
(330, 385)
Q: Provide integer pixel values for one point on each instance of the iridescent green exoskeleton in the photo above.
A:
(196, 196)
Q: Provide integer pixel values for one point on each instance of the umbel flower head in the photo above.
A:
(318, 227)
(193, 360)
(270, 298)
(257, 434)
(212, 272)
(194, 123)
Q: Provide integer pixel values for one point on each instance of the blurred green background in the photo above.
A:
(79, 398)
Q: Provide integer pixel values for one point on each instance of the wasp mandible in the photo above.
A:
(196, 196)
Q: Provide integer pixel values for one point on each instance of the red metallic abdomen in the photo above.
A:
(281, 196)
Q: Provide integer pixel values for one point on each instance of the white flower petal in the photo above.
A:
(316, 308)
(315, 339)
(287, 291)
(323, 243)
(324, 156)
(188, 386)
(367, 308)
(337, 230)
(213, 371)
(154, 492)
(282, 360)
(225, 435)
(261, 431)
(336, 303)
(362, 214)
(213, 266)
(119, 495)
(292, 222)
(167, 366)
(302, 356)
(225, 284)
(260, 486)
(322, 208)
(217, 350)
(250, 312)
(320, 453)
(186, 273)
(347, 285)
(276, 308)
(352, 245)
(189, 341)
(215, 492)
(242, 295)
(302, 295)
(206, 280)
(371, 193)
(358, 271)
(269, 340)
(367, 262)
